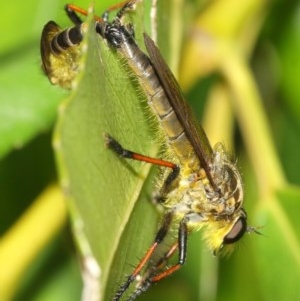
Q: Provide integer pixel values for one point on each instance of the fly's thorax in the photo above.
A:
(223, 223)
(189, 194)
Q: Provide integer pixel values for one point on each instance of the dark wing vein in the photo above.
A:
(192, 128)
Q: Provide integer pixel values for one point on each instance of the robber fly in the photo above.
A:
(203, 188)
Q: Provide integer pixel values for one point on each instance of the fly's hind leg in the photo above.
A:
(115, 146)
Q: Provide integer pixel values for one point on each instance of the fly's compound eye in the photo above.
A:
(236, 232)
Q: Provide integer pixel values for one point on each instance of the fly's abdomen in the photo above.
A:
(157, 99)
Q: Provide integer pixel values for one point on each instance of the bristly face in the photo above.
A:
(221, 235)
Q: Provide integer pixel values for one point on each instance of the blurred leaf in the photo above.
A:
(28, 104)
(289, 48)
(24, 110)
(64, 283)
(218, 24)
(278, 259)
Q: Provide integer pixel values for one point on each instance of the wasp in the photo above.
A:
(60, 52)
(61, 48)
(202, 187)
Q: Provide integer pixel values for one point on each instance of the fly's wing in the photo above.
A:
(193, 130)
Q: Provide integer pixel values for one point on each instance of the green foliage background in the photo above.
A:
(263, 267)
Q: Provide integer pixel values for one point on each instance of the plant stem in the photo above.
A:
(253, 122)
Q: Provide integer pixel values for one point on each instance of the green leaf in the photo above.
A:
(103, 189)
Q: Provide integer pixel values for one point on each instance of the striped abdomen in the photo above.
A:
(141, 65)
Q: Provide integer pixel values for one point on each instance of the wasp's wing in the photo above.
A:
(49, 31)
(193, 130)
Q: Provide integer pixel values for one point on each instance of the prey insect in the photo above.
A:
(202, 187)
(60, 52)
(61, 48)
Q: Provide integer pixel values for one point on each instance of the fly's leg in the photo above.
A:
(153, 277)
(125, 153)
(161, 234)
(125, 7)
(162, 262)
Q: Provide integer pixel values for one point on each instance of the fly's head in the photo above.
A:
(228, 222)
(221, 233)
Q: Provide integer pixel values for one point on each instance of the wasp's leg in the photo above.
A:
(73, 16)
